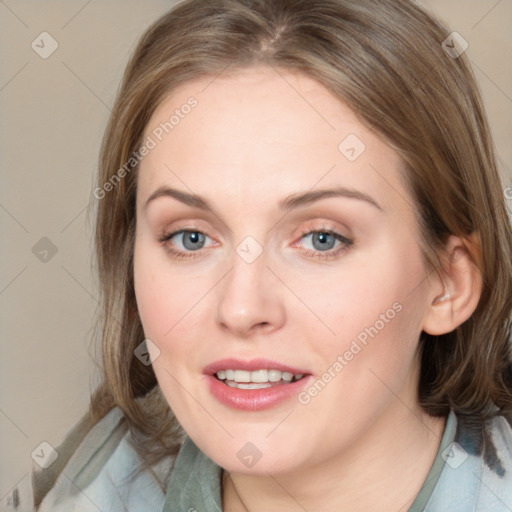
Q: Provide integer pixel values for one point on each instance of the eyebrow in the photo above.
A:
(287, 204)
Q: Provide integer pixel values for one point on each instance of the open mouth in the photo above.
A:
(257, 379)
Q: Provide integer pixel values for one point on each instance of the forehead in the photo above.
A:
(261, 131)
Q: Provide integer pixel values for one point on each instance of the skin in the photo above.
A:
(256, 137)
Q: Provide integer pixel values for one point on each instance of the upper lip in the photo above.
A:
(250, 366)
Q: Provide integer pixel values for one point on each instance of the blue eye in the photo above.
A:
(192, 241)
(323, 242)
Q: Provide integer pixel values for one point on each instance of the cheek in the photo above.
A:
(156, 307)
(364, 323)
(154, 304)
(165, 299)
(362, 294)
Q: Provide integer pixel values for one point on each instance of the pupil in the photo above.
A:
(192, 238)
(322, 238)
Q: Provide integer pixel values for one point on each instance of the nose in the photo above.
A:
(249, 299)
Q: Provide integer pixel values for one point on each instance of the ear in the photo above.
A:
(455, 294)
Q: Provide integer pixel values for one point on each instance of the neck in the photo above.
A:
(383, 470)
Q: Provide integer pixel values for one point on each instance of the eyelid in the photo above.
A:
(332, 232)
(345, 241)
(177, 253)
(332, 254)
(323, 226)
(168, 234)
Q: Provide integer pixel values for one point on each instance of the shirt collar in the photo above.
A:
(195, 483)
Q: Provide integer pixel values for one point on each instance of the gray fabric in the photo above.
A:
(195, 482)
(476, 485)
(44, 479)
(437, 467)
(99, 475)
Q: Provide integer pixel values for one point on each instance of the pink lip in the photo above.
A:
(250, 366)
(253, 399)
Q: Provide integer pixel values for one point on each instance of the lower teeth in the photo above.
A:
(255, 385)
(249, 385)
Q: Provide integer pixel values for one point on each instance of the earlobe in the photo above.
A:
(457, 292)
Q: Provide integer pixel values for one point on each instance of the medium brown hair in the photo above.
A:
(385, 60)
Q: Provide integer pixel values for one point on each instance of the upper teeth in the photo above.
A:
(257, 376)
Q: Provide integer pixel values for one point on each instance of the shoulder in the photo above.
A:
(477, 474)
(495, 492)
(500, 459)
(96, 469)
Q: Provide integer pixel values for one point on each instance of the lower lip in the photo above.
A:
(255, 399)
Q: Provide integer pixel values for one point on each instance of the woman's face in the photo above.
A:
(256, 162)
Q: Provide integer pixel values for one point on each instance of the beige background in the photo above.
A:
(52, 114)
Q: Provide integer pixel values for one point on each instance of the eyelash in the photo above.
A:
(321, 255)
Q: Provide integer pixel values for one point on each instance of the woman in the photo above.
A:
(306, 267)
